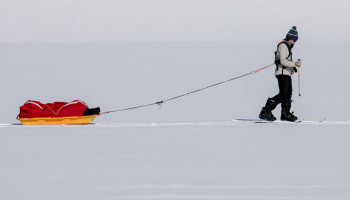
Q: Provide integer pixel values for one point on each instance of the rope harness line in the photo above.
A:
(160, 103)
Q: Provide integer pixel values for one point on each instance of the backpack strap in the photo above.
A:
(278, 61)
(288, 46)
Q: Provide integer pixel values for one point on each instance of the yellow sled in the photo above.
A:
(58, 120)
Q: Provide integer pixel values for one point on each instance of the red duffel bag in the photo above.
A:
(32, 109)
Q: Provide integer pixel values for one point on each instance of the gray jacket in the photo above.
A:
(282, 53)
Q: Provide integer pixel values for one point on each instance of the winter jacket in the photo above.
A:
(282, 53)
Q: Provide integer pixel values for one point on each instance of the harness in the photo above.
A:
(278, 61)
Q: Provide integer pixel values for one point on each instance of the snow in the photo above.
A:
(220, 161)
(190, 148)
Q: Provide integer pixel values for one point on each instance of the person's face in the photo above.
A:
(292, 41)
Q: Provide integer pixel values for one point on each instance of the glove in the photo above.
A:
(295, 69)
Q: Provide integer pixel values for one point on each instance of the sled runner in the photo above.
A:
(58, 120)
(75, 112)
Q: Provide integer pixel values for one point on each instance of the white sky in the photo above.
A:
(170, 20)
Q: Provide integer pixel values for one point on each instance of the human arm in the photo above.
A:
(295, 70)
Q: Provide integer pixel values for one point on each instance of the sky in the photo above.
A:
(170, 20)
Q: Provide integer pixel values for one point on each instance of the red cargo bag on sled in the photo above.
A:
(36, 109)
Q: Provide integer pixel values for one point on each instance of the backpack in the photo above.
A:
(278, 61)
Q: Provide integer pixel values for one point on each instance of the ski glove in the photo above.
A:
(295, 69)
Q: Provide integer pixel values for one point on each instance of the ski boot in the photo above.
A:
(286, 115)
(266, 113)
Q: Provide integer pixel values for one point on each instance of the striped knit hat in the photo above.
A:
(292, 34)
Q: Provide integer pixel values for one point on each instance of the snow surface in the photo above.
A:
(218, 161)
(190, 148)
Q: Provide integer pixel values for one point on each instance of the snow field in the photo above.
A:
(246, 161)
(119, 54)
(190, 148)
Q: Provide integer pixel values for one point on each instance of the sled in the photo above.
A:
(58, 120)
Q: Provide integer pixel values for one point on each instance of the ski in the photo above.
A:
(251, 120)
(260, 121)
(323, 120)
(277, 121)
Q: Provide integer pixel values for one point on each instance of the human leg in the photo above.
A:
(286, 105)
(271, 103)
(284, 85)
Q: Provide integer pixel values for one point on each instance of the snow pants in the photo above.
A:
(285, 87)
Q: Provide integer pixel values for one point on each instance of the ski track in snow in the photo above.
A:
(231, 123)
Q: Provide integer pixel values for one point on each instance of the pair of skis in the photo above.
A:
(265, 121)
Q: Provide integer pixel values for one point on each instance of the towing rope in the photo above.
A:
(160, 103)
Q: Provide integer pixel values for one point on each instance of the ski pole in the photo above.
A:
(299, 89)
(299, 77)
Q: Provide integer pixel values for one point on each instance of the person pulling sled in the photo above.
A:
(285, 68)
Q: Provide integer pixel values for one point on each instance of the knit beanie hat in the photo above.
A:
(292, 34)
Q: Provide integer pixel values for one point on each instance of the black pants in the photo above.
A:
(285, 86)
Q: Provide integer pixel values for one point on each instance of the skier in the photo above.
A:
(285, 68)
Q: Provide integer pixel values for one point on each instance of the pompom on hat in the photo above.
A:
(292, 34)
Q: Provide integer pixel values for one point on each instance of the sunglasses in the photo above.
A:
(295, 40)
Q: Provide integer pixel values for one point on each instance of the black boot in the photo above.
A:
(266, 111)
(286, 115)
